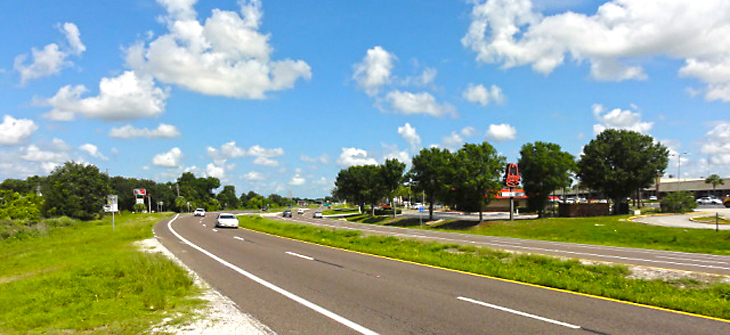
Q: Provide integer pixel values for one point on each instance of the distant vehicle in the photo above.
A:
(286, 214)
(226, 220)
(653, 198)
(709, 201)
(726, 202)
(265, 208)
(317, 215)
(417, 205)
(199, 212)
(300, 211)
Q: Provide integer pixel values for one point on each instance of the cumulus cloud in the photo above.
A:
(409, 135)
(52, 58)
(482, 95)
(717, 144)
(427, 77)
(129, 131)
(126, 97)
(618, 119)
(263, 156)
(392, 152)
(93, 151)
(225, 56)
(374, 70)
(215, 171)
(297, 180)
(418, 103)
(168, 159)
(614, 40)
(354, 156)
(501, 132)
(254, 176)
(14, 131)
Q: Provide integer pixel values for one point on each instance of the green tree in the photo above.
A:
(227, 197)
(15, 206)
(617, 162)
(75, 190)
(391, 178)
(360, 184)
(475, 176)
(429, 174)
(544, 168)
(181, 204)
(714, 180)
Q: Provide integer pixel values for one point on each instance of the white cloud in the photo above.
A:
(618, 119)
(93, 151)
(392, 151)
(14, 131)
(126, 97)
(129, 131)
(354, 156)
(717, 144)
(418, 103)
(456, 139)
(226, 55)
(427, 77)
(258, 151)
(374, 70)
(468, 131)
(297, 180)
(614, 40)
(483, 96)
(35, 154)
(254, 176)
(409, 135)
(501, 132)
(212, 170)
(265, 161)
(324, 159)
(52, 58)
(168, 159)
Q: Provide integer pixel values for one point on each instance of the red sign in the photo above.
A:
(512, 175)
(140, 191)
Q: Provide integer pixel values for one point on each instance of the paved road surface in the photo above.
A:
(300, 288)
(672, 260)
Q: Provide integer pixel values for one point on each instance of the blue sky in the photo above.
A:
(278, 96)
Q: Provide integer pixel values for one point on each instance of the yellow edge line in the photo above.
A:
(503, 279)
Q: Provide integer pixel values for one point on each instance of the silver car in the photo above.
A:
(226, 220)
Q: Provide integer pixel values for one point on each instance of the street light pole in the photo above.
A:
(679, 166)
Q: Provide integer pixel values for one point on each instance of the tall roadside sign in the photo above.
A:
(512, 179)
(112, 205)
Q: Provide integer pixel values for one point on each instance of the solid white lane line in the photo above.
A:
(214, 230)
(204, 225)
(354, 326)
(692, 260)
(505, 309)
(300, 256)
(239, 238)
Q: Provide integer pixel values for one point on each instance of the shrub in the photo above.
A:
(678, 202)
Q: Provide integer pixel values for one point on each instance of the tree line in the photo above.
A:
(80, 191)
(616, 163)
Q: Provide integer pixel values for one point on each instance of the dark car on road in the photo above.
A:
(286, 214)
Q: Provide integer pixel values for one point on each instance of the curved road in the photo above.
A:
(300, 288)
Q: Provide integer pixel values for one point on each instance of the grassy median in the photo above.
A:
(710, 299)
(82, 277)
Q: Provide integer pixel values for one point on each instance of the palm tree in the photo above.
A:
(714, 180)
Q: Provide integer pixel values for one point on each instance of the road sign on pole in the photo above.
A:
(112, 205)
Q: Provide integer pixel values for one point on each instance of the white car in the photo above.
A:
(226, 220)
(300, 211)
(709, 201)
(199, 212)
(317, 215)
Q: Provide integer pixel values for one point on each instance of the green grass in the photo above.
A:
(605, 230)
(711, 299)
(83, 277)
(339, 211)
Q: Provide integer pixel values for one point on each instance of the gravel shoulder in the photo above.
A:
(220, 316)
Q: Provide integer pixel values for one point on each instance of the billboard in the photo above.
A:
(140, 192)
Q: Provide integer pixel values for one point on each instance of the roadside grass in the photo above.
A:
(604, 230)
(342, 210)
(710, 299)
(85, 278)
(712, 219)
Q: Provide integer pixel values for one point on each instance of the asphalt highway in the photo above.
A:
(704, 263)
(300, 288)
